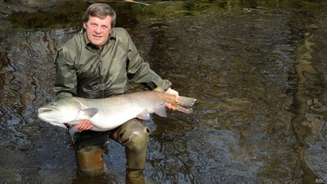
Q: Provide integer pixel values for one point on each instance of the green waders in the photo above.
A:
(134, 135)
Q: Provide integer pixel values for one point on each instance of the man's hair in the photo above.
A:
(100, 10)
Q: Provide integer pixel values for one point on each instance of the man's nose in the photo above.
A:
(98, 29)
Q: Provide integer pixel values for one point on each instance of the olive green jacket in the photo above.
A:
(86, 71)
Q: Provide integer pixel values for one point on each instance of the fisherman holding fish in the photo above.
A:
(96, 63)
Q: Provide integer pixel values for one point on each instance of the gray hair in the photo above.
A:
(100, 10)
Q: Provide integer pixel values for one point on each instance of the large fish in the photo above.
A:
(109, 113)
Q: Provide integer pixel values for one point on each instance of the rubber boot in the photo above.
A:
(89, 150)
(134, 135)
(135, 176)
(90, 160)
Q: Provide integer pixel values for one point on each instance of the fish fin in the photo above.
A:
(144, 115)
(89, 112)
(161, 111)
(186, 101)
(184, 110)
(72, 130)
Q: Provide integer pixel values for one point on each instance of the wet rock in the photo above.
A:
(315, 159)
(10, 176)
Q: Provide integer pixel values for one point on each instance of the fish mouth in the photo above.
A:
(46, 109)
(44, 112)
(47, 114)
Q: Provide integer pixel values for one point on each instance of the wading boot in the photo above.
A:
(90, 160)
(135, 176)
(89, 150)
(134, 135)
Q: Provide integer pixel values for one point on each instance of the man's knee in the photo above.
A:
(133, 134)
(138, 135)
(138, 139)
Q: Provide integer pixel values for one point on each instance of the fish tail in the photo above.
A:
(178, 103)
(185, 101)
(184, 104)
(183, 109)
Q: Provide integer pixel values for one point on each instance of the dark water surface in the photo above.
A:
(258, 69)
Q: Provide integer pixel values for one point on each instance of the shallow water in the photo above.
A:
(257, 68)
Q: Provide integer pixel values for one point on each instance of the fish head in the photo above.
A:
(59, 112)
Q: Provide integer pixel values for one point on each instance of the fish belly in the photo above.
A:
(108, 120)
(115, 111)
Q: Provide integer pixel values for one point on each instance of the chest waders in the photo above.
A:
(89, 146)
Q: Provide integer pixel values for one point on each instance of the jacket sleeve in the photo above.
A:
(66, 78)
(141, 71)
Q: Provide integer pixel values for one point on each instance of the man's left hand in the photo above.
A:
(171, 92)
(83, 125)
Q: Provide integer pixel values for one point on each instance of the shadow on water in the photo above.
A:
(257, 68)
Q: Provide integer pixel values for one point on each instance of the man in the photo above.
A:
(98, 62)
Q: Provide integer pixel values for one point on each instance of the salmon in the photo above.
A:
(109, 113)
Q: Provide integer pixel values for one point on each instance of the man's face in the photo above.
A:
(98, 29)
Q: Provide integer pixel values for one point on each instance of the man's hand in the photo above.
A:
(171, 92)
(83, 125)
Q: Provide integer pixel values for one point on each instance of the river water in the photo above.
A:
(257, 68)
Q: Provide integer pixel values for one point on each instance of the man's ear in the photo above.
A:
(84, 25)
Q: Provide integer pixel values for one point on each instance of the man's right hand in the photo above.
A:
(84, 124)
